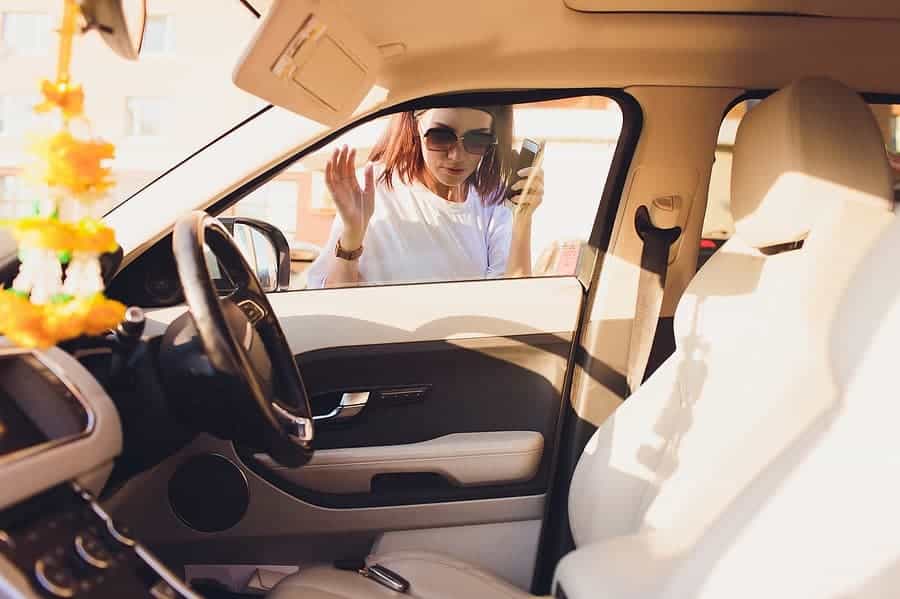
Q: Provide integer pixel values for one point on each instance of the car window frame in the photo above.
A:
(613, 188)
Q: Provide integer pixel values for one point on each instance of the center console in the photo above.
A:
(59, 435)
(61, 543)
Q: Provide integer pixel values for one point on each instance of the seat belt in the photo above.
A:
(651, 287)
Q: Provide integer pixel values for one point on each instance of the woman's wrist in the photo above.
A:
(352, 240)
(521, 221)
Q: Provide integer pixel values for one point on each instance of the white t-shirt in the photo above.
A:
(415, 235)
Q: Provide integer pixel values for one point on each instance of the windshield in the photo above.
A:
(171, 102)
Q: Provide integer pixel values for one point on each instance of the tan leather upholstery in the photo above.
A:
(748, 328)
(821, 519)
(430, 576)
(499, 457)
(814, 143)
(750, 373)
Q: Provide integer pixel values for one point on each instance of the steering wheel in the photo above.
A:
(259, 393)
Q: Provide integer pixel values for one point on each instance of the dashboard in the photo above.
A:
(59, 435)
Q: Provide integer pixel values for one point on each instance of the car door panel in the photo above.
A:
(481, 387)
(279, 528)
(459, 459)
(483, 361)
(470, 371)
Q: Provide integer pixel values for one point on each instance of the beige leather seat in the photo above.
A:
(748, 380)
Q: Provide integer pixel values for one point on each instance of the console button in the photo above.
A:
(92, 550)
(54, 577)
(163, 590)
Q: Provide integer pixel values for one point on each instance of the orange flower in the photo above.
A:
(86, 235)
(101, 314)
(67, 97)
(93, 236)
(74, 164)
(22, 321)
(44, 325)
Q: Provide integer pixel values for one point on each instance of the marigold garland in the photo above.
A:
(75, 165)
(86, 235)
(67, 98)
(46, 305)
(43, 325)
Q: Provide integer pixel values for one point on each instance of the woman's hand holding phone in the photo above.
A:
(354, 204)
(523, 198)
(527, 191)
(530, 190)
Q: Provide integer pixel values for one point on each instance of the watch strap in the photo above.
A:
(344, 254)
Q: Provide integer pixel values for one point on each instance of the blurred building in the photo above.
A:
(170, 103)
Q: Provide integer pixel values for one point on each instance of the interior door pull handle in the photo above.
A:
(351, 404)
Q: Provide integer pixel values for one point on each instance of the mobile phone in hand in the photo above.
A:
(531, 154)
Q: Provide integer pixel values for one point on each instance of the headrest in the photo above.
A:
(809, 144)
(865, 332)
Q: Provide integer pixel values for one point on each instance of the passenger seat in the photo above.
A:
(750, 376)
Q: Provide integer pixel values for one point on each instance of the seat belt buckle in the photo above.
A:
(385, 577)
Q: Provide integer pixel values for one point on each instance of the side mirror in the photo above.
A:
(265, 248)
(120, 23)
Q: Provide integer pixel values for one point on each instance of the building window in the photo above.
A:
(17, 114)
(14, 200)
(26, 33)
(146, 116)
(159, 36)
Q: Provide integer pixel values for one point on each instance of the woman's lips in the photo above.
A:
(455, 171)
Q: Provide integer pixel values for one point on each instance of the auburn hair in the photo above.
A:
(400, 150)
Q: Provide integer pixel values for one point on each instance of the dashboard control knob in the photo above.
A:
(162, 590)
(92, 550)
(54, 577)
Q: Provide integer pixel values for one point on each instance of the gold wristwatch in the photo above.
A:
(347, 254)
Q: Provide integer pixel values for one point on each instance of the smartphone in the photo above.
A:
(531, 154)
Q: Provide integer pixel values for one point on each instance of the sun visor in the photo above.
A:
(308, 57)
(863, 9)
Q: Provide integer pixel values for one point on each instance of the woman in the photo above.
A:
(434, 210)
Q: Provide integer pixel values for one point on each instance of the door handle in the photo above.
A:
(351, 405)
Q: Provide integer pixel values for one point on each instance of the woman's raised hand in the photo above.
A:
(354, 204)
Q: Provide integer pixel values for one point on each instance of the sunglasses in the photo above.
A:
(441, 139)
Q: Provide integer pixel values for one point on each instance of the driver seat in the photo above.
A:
(749, 375)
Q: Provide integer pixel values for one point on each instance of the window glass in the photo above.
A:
(718, 224)
(156, 112)
(438, 224)
(146, 116)
(16, 115)
(159, 36)
(26, 33)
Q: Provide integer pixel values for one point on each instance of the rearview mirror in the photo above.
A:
(266, 250)
(120, 23)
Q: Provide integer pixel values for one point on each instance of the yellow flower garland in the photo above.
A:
(74, 169)
(69, 99)
(44, 325)
(86, 235)
(74, 164)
